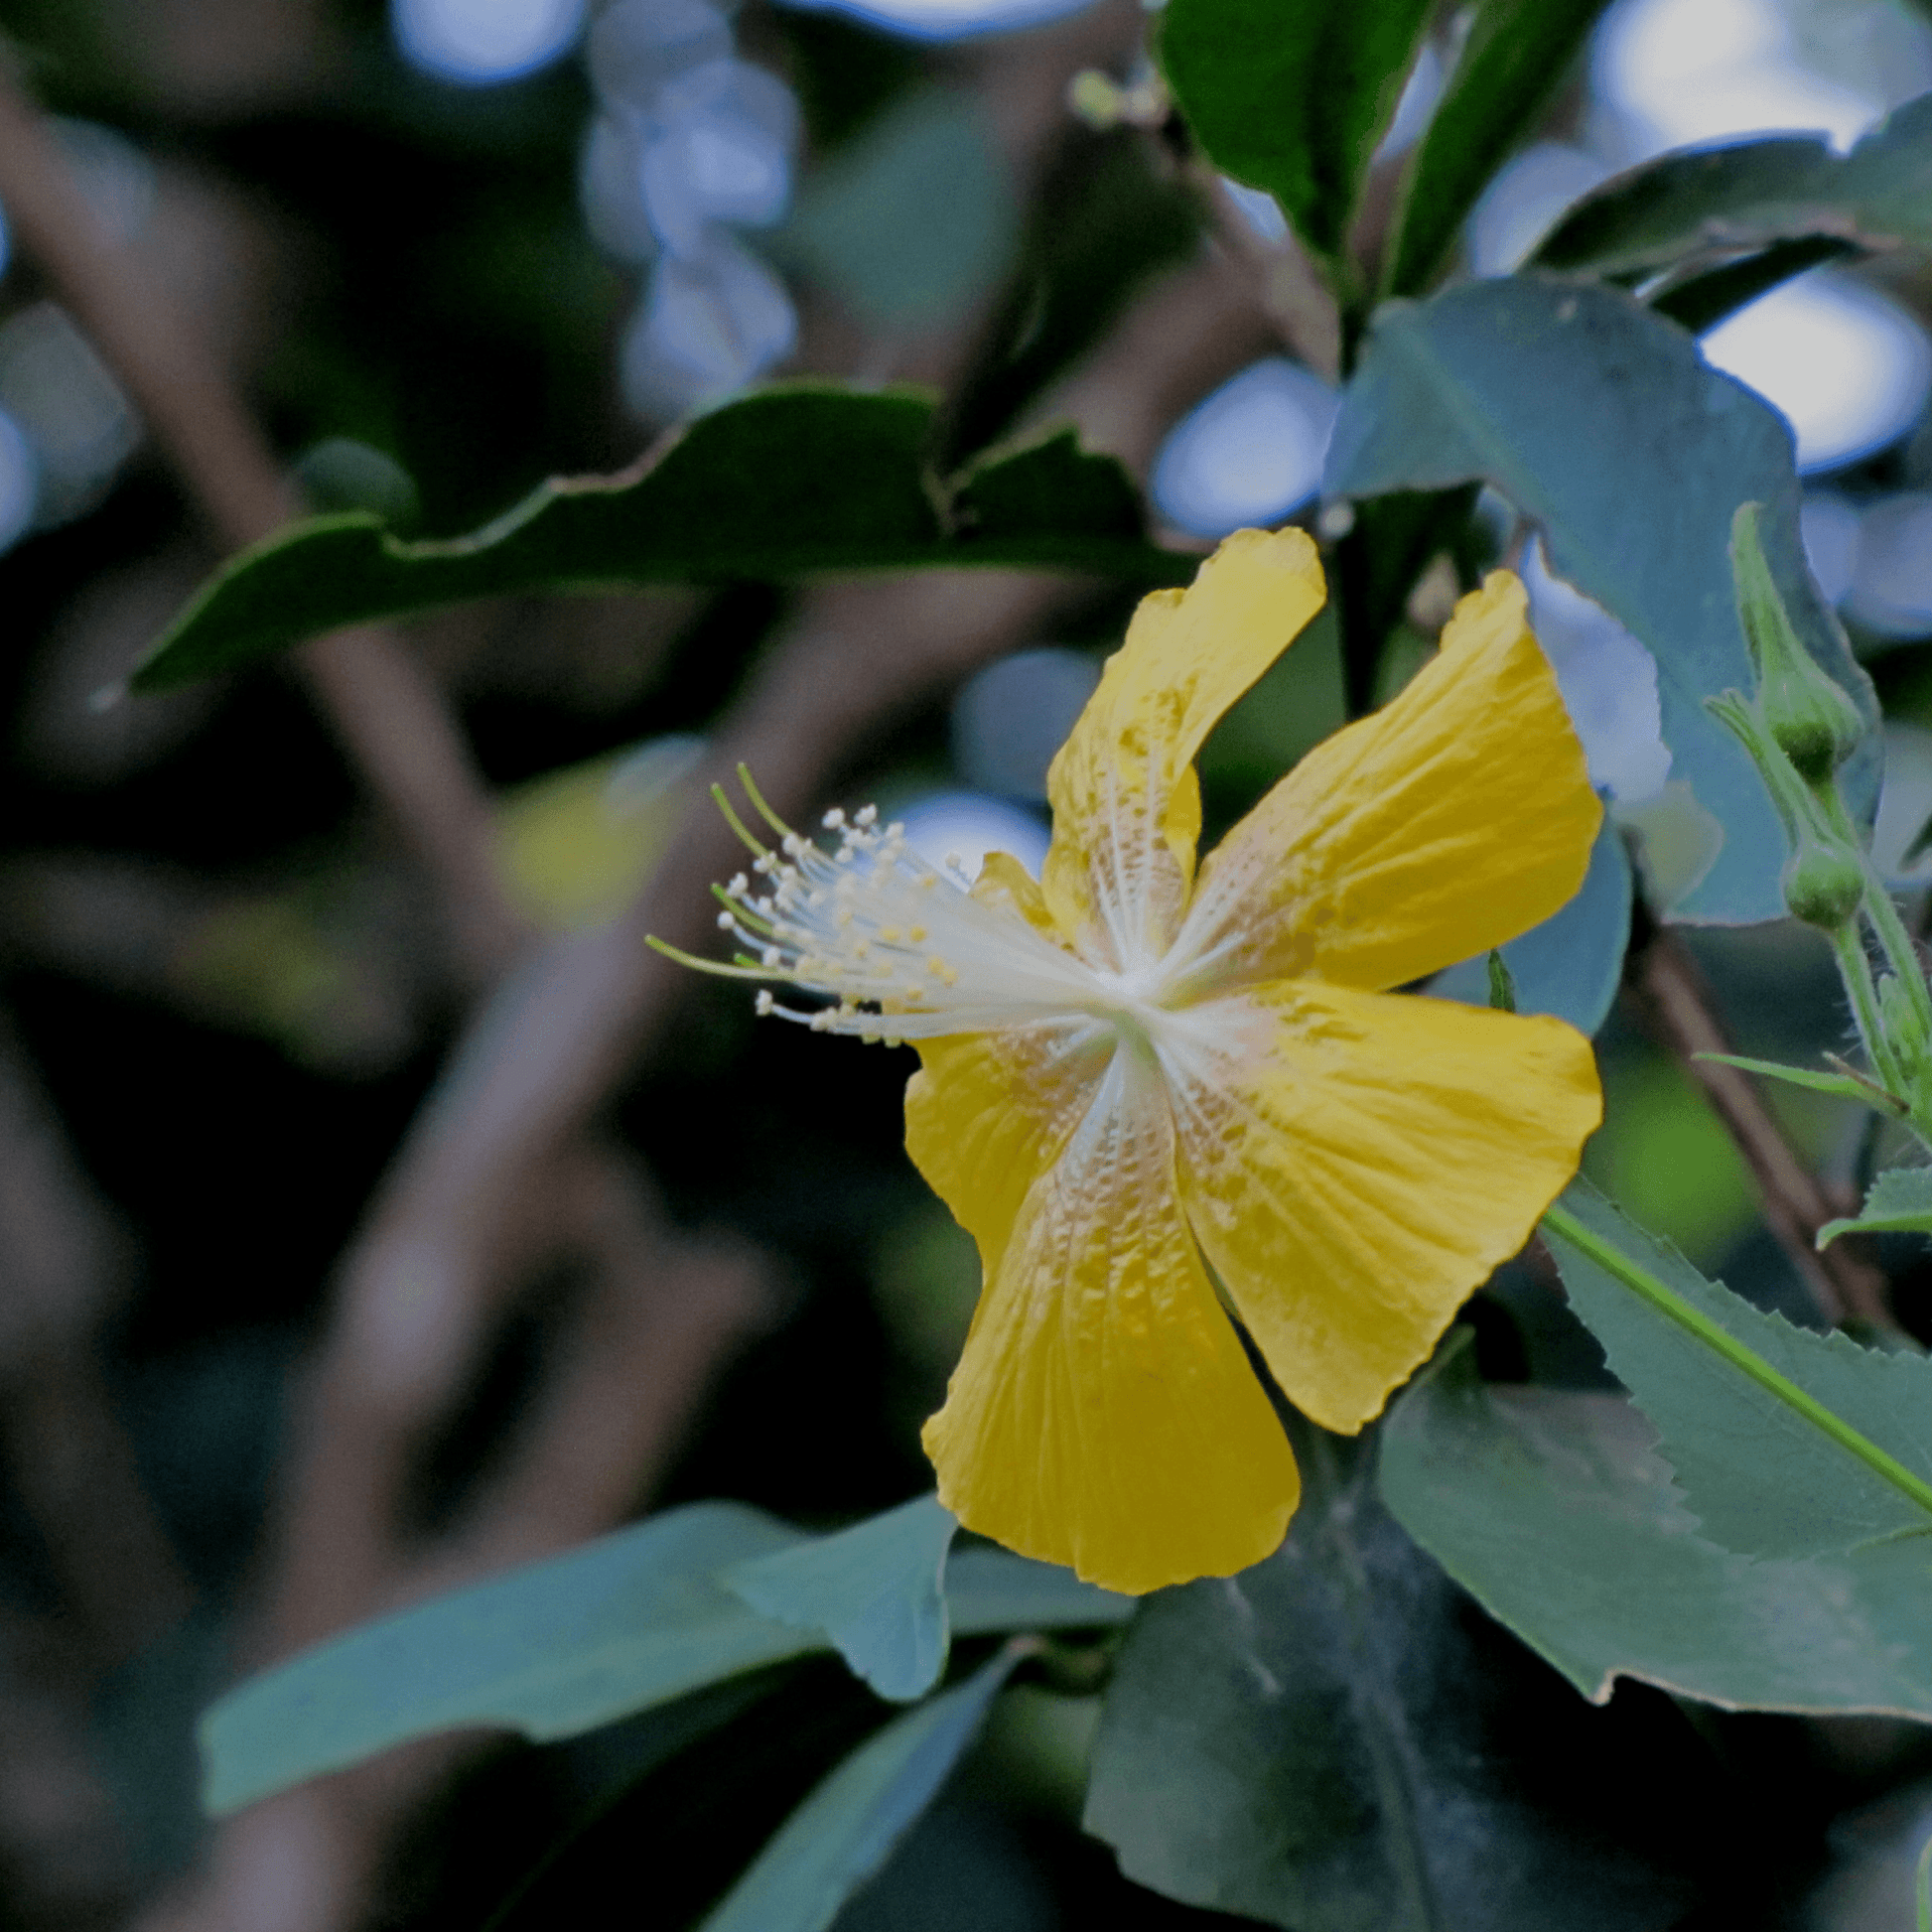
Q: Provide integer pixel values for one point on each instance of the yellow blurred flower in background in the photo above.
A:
(1133, 1075)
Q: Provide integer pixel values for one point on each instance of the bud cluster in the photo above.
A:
(1799, 727)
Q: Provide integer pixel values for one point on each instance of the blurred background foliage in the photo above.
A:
(450, 247)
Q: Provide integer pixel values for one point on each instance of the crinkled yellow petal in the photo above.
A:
(1126, 802)
(1455, 817)
(1004, 881)
(987, 1113)
(1104, 1414)
(1354, 1163)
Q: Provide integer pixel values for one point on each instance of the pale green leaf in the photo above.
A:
(1842, 1085)
(1899, 1202)
(1758, 1477)
(1556, 1512)
(1602, 424)
(875, 1589)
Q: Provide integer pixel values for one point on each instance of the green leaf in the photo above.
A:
(622, 1625)
(1842, 1086)
(1900, 1202)
(875, 1589)
(1706, 204)
(1517, 55)
(1554, 1511)
(1761, 1478)
(846, 1830)
(1293, 96)
(1599, 421)
(626, 1622)
(915, 219)
(991, 1589)
(1703, 301)
(1326, 1742)
(798, 480)
(1572, 963)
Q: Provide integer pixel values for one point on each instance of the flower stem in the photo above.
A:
(1668, 1302)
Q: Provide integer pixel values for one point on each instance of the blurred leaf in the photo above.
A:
(1600, 422)
(1293, 96)
(914, 220)
(1572, 963)
(1703, 301)
(1900, 1202)
(847, 1828)
(1321, 1743)
(1393, 540)
(622, 1625)
(575, 844)
(1516, 56)
(1761, 1478)
(1107, 217)
(798, 479)
(876, 1589)
(1556, 1513)
(1704, 203)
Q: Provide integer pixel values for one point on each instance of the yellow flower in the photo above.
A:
(1139, 1086)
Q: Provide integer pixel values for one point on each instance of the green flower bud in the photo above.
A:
(1824, 885)
(1809, 715)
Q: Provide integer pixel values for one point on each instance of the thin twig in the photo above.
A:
(1679, 1004)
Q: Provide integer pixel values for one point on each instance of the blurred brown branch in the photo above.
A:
(387, 713)
(1679, 1008)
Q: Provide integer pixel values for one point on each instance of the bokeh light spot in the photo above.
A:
(481, 42)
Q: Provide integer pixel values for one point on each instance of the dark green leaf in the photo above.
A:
(1293, 96)
(1517, 55)
(1556, 1513)
(1703, 301)
(1572, 964)
(1900, 1202)
(1599, 421)
(1323, 1742)
(1707, 203)
(875, 1589)
(1758, 1477)
(796, 480)
(845, 1831)
(1392, 541)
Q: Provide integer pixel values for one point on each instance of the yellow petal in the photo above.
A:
(1126, 803)
(988, 1112)
(1104, 1414)
(1354, 1163)
(1455, 818)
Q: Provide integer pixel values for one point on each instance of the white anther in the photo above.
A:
(769, 956)
(954, 862)
(740, 885)
(865, 815)
(725, 921)
(761, 1005)
(833, 819)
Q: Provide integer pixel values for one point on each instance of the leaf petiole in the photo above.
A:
(1668, 1302)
